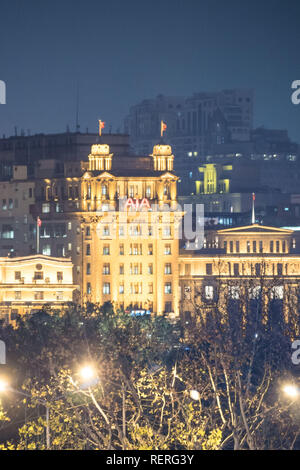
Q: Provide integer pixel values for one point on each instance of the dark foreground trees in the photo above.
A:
(217, 384)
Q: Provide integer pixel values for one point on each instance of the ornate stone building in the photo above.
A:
(29, 283)
(113, 222)
(242, 264)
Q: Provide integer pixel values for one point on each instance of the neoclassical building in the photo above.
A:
(243, 263)
(29, 283)
(119, 224)
(117, 218)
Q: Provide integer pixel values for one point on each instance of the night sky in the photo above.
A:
(119, 52)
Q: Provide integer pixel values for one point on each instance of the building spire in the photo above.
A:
(253, 208)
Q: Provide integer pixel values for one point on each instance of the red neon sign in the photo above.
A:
(137, 203)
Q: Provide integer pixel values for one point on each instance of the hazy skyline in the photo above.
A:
(119, 53)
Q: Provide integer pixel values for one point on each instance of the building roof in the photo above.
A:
(254, 228)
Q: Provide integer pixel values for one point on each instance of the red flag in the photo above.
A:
(39, 222)
(253, 196)
(163, 127)
(101, 126)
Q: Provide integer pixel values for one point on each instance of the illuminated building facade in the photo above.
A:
(29, 283)
(242, 264)
(122, 241)
(17, 226)
(108, 214)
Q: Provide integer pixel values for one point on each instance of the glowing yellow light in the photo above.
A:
(3, 385)
(100, 149)
(163, 150)
(195, 395)
(291, 390)
(87, 372)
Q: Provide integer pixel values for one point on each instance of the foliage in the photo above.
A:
(146, 372)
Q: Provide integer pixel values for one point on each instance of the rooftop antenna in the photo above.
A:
(253, 208)
(77, 110)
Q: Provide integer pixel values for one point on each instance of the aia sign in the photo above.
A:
(137, 204)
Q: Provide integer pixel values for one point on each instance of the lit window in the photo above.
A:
(59, 295)
(209, 292)
(148, 192)
(8, 231)
(167, 231)
(39, 295)
(106, 231)
(18, 295)
(234, 292)
(168, 288)
(254, 292)
(277, 292)
(167, 249)
(106, 288)
(46, 207)
(168, 268)
(106, 249)
(46, 250)
(106, 269)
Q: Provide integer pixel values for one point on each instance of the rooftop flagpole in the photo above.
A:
(38, 225)
(253, 208)
(101, 126)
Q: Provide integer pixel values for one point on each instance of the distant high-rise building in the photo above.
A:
(194, 125)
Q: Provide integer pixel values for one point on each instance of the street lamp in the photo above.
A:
(291, 390)
(88, 377)
(4, 386)
(87, 372)
(195, 395)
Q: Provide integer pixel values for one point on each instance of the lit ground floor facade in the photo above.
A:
(30, 283)
(248, 283)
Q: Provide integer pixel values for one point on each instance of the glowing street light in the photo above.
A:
(291, 390)
(87, 372)
(195, 395)
(3, 385)
(88, 376)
